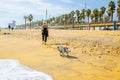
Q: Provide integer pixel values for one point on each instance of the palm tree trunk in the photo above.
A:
(112, 17)
(77, 20)
(30, 24)
(88, 19)
(96, 19)
(25, 23)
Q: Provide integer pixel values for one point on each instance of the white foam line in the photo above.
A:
(13, 70)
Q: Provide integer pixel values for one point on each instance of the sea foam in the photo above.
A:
(13, 70)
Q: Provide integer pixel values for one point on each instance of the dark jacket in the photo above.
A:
(45, 31)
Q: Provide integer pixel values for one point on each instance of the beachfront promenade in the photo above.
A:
(98, 24)
(89, 26)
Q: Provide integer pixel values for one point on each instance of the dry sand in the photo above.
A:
(95, 55)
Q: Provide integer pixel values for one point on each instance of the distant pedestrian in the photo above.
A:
(45, 33)
(9, 27)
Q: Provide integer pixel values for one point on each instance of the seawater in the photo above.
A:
(13, 70)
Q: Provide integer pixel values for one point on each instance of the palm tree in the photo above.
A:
(100, 15)
(118, 13)
(83, 12)
(88, 13)
(92, 17)
(118, 10)
(53, 20)
(30, 18)
(77, 14)
(63, 19)
(72, 13)
(25, 17)
(66, 18)
(102, 9)
(106, 18)
(80, 16)
(95, 13)
(111, 6)
(118, 3)
(72, 18)
(48, 21)
(58, 20)
(39, 23)
(108, 13)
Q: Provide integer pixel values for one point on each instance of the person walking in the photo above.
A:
(9, 27)
(45, 33)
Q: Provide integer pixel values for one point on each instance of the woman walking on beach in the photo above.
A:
(44, 33)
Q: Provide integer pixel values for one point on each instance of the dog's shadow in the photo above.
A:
(71, 57)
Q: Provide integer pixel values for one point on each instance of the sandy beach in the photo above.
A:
(95, 55)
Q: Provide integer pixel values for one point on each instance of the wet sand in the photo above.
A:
(95, 55)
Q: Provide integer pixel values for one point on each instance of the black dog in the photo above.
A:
(63, 50)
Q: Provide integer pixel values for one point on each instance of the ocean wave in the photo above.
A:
(13, 70)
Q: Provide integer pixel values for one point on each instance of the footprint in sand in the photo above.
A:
(99, 56)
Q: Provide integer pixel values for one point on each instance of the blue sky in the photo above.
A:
(16, 9)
